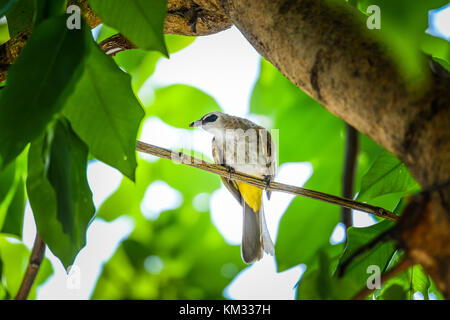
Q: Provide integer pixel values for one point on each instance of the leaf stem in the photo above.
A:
(36, 257)
(223, 171)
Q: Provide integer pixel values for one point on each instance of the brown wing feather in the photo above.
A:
(229, 184)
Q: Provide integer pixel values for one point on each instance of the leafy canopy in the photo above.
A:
(66, 102)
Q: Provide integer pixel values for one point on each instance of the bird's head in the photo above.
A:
(213, 122)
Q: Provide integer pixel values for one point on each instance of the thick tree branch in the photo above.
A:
(348, 179)
(326, 50)
(195, 18)
(223, 171)
(423, 232)
(36, 257)
(323, 50)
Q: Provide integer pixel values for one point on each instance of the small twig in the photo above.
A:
(115, 44)
(261, 183)
(348, 179)
(397, 269)
(36, 257)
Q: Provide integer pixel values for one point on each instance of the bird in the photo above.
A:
(242, 145)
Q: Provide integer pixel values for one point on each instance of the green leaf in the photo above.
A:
(178, 105)
(147, 16)
(307, 130)
(20, 16)
(58, 191)
(357, 237)
(435, 291)
(308, 223)
(67, 174)
(4, 37)
(386, 175)
(49, 8)
(412, 280)
(7, 189)
(264, 101)
(5, 5)
(318, 283)
(47, 67)
(105, 113)
(394, 292)
(420, 281)
(180, 255)
(380, 255)
(403, 26)
(14, 259)
(437, 48)
(128, 197)
(141, 64)
(12, 195)
(13, 223)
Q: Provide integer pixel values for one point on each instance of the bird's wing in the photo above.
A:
(269, 153)
(229, 184)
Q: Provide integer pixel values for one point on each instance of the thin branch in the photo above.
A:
(115, 44)
(36, 257)
(397, 269)
(223, 171)
(348, 179)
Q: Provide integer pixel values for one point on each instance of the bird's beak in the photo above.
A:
(197, 123)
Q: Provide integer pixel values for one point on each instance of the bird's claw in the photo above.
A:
(267, 180)
(230, 170)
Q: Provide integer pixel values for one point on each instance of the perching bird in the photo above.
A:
(244, 146)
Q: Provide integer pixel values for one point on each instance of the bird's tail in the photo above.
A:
(255, 235)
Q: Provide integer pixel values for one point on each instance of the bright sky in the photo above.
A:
(225, 66)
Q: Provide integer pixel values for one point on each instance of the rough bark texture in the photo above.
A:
(195, 18)
(323, 50)
(424, 232)
(10, 50)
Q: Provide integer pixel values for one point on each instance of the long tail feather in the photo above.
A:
(268, 246)
(255, 235)
(251, 236)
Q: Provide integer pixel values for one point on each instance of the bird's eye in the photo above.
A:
(210, 118)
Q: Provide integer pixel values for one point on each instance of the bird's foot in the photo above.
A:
(230, 170)
(267, 180)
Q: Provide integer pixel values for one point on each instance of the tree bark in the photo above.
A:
(326, 51)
